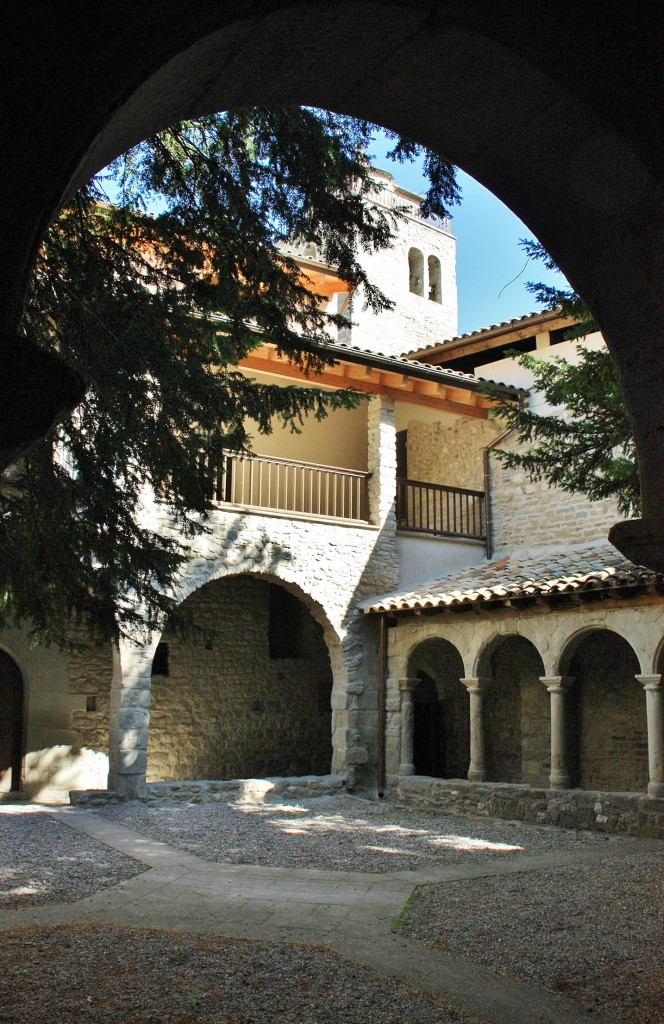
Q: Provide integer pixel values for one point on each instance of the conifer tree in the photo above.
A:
(588, 447)
(153, 298)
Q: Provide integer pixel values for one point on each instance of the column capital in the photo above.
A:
(408, 685)
(650, 682)
(555, 684)
(475, 684)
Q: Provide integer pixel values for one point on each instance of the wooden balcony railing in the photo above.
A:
(440, 510)
(287, 486)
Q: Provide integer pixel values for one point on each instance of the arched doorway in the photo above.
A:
(429, 736)
(441, 717)
(516, 714)
(249, 694)
(11, 723)
(606, 715)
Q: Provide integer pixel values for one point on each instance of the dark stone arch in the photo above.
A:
(516, 713)
(476, 82)
(606, 724)
(11, 723)
(441, 736)
(249, 695)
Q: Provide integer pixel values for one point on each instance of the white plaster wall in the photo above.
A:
(423, 558)
(338, 440)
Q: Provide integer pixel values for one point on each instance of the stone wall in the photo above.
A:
(66, 706)
(227, 709)
(449, 451)
(608, 736)
(332, 566)
(517, 716)
(529, 513)
(631, 814)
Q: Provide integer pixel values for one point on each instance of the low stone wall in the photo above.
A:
(201, 791)
(633, 814)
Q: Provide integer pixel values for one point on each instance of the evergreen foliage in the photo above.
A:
(588, 446)
(153, 299)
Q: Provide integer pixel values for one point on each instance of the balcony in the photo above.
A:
(283, 485)
(440, 511)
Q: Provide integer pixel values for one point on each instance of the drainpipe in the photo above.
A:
(382, 686)
(487, 481)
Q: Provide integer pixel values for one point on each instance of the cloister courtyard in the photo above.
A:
(315, 910)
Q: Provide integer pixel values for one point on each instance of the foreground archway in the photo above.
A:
(470, 81)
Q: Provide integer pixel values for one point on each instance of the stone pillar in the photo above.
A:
(382, 460)
(655, 718)
(129, 719)
(475, 687)
(407, 687)
(557, 687)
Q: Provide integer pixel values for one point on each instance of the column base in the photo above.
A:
(129, 787)
(406, 769)
(656, 790)
(559, 781)
(476, 775)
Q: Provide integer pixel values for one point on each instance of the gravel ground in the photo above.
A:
(44, 861)
(111, 976)
(595, 932)
(342, 834)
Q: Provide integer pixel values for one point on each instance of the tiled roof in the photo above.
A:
(411, 366)
(543, 573)
(504, 325)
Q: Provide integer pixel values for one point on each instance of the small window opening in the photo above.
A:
(160, 661)
(416, 271)
(90, 702)
(435, 294)
(285, 624)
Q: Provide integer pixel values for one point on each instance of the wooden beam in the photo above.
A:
(332, 378)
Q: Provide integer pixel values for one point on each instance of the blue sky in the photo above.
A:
(488, 253)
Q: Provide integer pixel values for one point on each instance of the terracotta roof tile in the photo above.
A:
(522, 574)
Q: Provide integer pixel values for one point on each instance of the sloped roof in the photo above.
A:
(411, 367)
(540, 317)
(585, 570)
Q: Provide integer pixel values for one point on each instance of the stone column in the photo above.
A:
(475, 687)
(129, 720)
(655, 718)
(557, 687)
(407, 687)
(382, 461)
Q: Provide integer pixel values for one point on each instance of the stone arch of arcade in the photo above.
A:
(440, 724)
(470, 81)
(606, 737)
(514, 711)
(225, 681)
(549, 704)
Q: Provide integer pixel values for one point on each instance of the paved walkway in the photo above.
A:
(349, 912)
